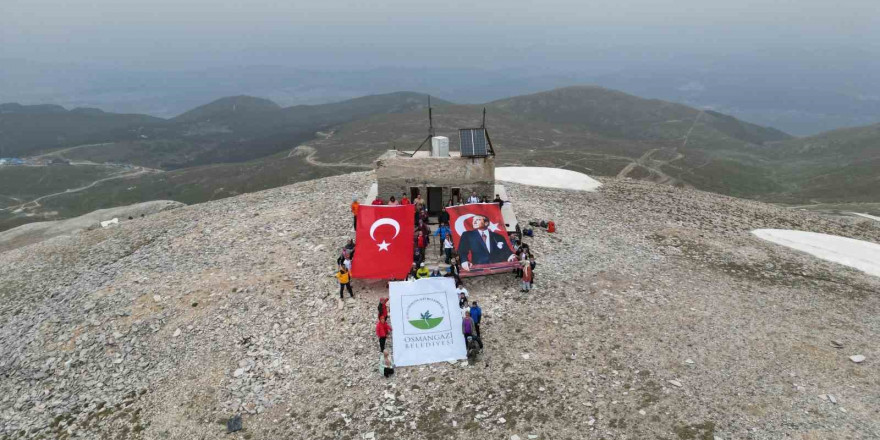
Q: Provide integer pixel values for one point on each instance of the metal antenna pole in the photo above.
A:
(430, 118)
(484, 118)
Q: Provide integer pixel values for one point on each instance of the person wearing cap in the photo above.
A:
(423, 271)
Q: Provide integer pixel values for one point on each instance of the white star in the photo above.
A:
(493, 226)
(383, 246)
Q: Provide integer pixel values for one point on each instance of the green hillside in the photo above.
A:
(242, 144)
(839, 165)
(27, 130)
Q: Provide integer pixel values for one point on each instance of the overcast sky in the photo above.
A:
(538, 34)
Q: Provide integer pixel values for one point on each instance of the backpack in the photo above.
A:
(543, 224)
(551, 227)
(528, 232)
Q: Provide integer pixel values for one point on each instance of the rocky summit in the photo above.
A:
(655, 314)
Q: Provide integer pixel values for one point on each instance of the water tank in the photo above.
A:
(440, 146)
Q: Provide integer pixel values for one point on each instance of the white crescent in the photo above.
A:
(459, 223)
(384, 221)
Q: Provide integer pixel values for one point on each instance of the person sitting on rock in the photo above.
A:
(412, 273)
(423, 272)
(386, 365)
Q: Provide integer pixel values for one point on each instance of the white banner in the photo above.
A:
(426, 321)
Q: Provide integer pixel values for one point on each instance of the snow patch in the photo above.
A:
(547, 177)
(859, 254)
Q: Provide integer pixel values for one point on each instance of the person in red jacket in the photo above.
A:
(383, 329)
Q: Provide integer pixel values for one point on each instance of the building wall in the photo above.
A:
(395, 175)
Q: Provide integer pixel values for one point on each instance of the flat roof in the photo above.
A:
(426, 154)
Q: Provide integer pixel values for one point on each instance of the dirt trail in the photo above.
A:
(35, 203)
(310, 152)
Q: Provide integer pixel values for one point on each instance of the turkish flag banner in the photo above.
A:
(384, 246)
(480, 237)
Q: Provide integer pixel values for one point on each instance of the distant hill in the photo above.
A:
(830, 166)
(242, 144)
(29, 129)
(617, 114)
(227, 130)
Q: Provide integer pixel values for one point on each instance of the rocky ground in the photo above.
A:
(656, 314)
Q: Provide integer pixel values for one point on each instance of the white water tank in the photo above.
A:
(440, 146)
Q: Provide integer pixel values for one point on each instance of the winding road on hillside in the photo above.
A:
(35, 203)
(310, 152)
(654, 165)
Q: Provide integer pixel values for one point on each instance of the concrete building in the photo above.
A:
(438, 175)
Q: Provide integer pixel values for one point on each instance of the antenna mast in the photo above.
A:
(430, 128)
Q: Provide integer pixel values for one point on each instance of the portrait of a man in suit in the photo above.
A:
(482, 246)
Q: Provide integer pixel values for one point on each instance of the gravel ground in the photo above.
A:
(655, 315)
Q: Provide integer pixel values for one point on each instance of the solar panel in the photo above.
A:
(473, 142)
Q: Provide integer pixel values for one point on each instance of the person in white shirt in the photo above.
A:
(473, 198)
(448, 247)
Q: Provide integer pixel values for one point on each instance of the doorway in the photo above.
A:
(413, 193)
(435, 200)
(456, 196)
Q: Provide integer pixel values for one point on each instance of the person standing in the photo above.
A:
(386, 365)
(383, 308)
(403, 199)
(526, 276)
(383, 329)
(467, 327)
(419, 203)
(447, 248)
(422, 242)
(392, 201)
(477, 316)
(473, 198)
(443, 217)
(344, 277)
(354, 211)
(499, 201)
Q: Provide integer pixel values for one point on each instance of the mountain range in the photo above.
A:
(241, 144)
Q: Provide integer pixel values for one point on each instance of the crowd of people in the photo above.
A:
(471, 312)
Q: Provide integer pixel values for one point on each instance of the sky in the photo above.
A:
(541, 35)
(800, 65)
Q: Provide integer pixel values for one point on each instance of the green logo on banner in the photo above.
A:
(426, 322)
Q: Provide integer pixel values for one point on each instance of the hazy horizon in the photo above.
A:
(813, 63)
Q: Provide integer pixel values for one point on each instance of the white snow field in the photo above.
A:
(547, 177)
(862, 255)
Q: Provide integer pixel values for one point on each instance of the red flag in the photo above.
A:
(480, 237)
(384, 247)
